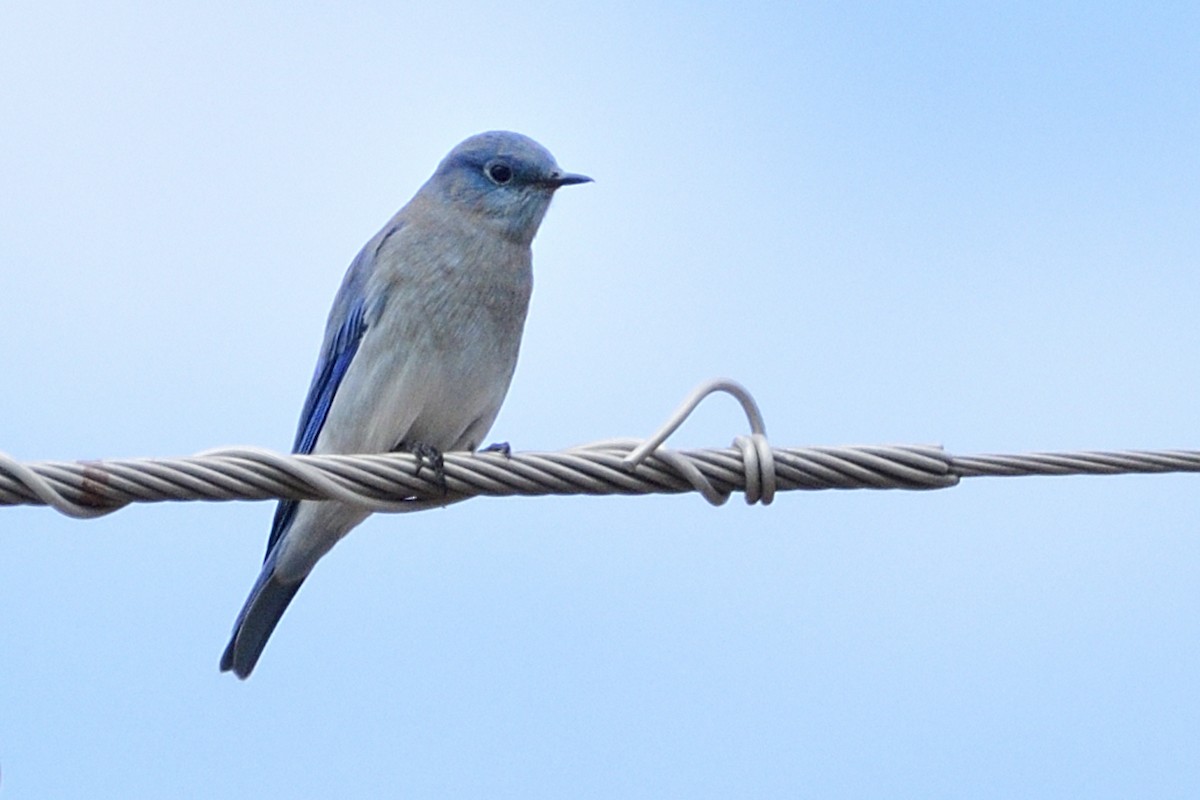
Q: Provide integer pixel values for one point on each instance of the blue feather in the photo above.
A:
(341, 344)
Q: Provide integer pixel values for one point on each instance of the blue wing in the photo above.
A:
(331, 368)
(347, 324)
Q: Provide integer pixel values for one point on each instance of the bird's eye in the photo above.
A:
(500, 173)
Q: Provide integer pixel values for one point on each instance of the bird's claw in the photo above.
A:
(429, 456)
(502, 448)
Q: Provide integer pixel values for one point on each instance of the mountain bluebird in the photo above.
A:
(419, 348)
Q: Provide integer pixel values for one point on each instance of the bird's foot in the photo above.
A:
(428, 456)
(499, 447)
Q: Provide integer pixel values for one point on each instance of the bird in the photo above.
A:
(419, 347)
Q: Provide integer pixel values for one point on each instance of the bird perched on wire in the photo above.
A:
(419, 348)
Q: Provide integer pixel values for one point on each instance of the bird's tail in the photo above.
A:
(267, 601)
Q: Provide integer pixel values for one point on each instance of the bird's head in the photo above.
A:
(506, 178)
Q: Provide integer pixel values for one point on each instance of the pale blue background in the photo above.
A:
(969, 224)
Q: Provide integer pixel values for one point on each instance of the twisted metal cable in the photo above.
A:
(399, 481)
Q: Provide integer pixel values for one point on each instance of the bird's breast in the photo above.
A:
(441, 346)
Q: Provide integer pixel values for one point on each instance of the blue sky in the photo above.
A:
(965, 224)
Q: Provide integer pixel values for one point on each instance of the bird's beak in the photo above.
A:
(566, 179)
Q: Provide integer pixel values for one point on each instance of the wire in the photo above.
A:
(397, 482)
